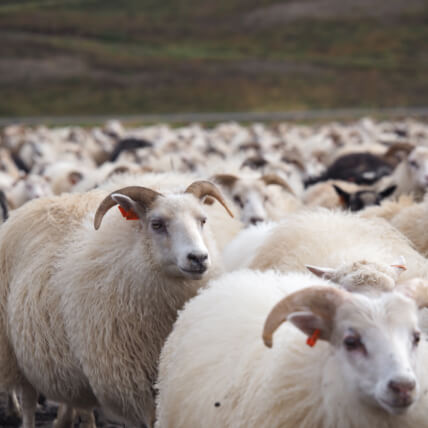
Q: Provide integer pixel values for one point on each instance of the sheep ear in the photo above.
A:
(128, 204)
(322, 272)
(387, 192)
(343, 196)
(308, 322)
(74, 177)
(400, 265)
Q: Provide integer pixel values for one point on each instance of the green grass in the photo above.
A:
(196, 55)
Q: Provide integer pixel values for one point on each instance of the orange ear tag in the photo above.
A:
(402, 267)
(129, 215)
(312, 340)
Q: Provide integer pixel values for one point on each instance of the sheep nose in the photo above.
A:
(198, 260)
(402, 387)
(255, 220)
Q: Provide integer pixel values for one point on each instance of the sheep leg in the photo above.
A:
(149, 411)
(13, 407)
(65, 417)
(29, 403)
(87, 419)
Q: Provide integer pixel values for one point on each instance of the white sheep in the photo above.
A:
(367, 370)
(322, 238)
(251, 196)
(84, 312)
(410, 175)
(409, 217)
(26, 188)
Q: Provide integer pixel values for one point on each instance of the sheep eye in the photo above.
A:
(203, 221)
(238, 200)
(414, 164)
(416, 338)
(352, 343)
(158, 225)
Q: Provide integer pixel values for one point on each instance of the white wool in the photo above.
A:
(215, 370)
(84, 312)
(329, 239)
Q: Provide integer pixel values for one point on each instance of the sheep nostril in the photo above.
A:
(199, 259)
(402, 387)
(255, 220)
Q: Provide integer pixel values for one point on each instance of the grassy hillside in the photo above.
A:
(132, 56)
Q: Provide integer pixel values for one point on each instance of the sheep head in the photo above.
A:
(356, 201)
(374, 350)
(417, 166)
(172, 226)
(250, 194)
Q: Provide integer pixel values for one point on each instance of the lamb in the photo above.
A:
(84, 312)
(368, 369)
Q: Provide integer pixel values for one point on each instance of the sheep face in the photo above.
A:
(251, 199)
(176, 227)
(362, 198)
(174, 234)
(28, 188)
(377, 349)
(250, 195)
(374, 339)
(418, 166)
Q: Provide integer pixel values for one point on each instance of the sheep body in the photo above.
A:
(215, 370)
(325, 238)
(408, 217)
(84, 313)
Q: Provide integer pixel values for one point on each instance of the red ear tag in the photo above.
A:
(312, 340)
(129, 215)
(402, 267)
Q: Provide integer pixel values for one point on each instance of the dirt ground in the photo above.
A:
(45, 416)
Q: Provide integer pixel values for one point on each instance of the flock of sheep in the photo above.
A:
(149, 272)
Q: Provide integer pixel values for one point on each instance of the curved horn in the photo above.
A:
(227, 180)
(321, 301)
(202, 188)
(276, 179)
(416, 289)
(143, 195)
(294, 160)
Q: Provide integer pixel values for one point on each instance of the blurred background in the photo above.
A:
(94, 57)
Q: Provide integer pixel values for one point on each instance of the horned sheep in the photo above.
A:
(84, 312)
(368, 369)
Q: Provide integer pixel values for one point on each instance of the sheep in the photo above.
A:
(128, 144)
(84, 312)
(343, 194)
(322, 238)
(361, 168)
(250, 195)
(409, 217)
(410, 175)
(27, 187)
(368, 369)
